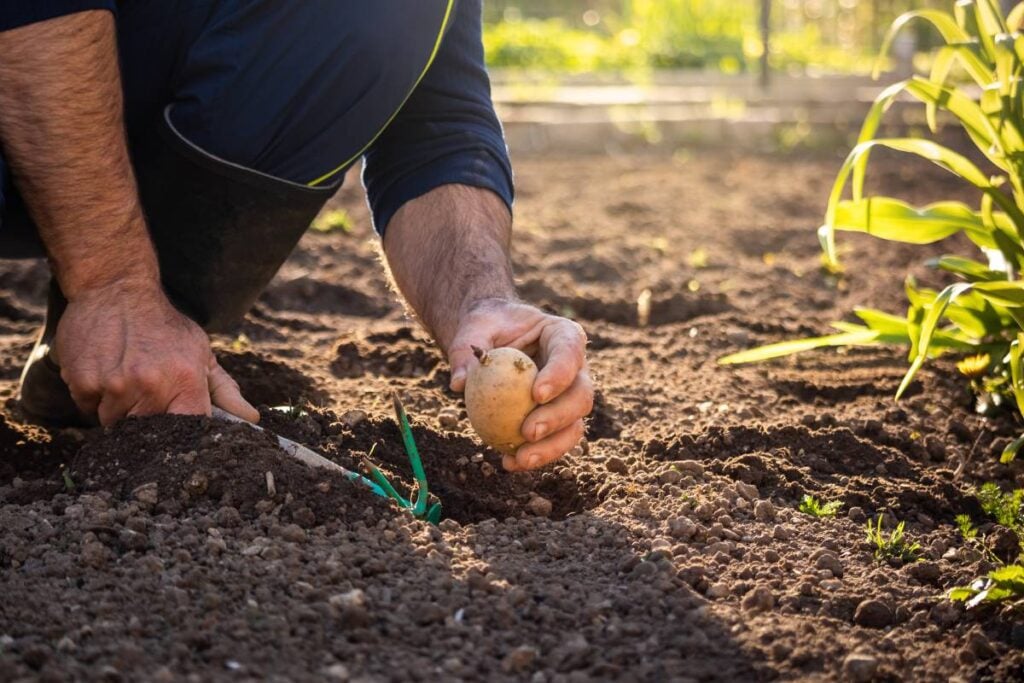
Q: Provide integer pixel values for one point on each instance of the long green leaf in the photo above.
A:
(942, 156)
(880, 321)
(941, 66)
(992, 20)
(788, 348)
(895, 220)
(1015, 18)
(945, 24)
(928, 327)
(893, 329)
(968, 112)
(968, 268)
(978, 26)
(1009, 294)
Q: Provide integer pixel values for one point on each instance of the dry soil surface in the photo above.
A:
(668, 546)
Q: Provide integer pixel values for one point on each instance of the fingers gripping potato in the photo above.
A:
(499, 396)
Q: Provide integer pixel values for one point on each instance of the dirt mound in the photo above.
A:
(177, 462)
(465, 477)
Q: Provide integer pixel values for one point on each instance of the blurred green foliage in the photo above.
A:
(824, 35)
(553, 45)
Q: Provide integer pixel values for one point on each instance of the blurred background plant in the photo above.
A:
(838, 36)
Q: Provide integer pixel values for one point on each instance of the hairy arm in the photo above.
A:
(123, 348)
(448, 252)
(60, 122)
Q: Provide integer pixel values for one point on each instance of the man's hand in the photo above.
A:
(122, 347)
(125, 350)
(563, 387)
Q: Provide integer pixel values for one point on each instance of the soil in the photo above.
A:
(179, 548)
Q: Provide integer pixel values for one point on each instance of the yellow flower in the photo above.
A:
(974, 366)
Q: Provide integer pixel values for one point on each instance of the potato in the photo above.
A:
(499, 396)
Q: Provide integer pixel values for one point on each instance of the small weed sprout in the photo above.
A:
(966, 527)
(892, 546)
(809, 505)
(69, 483)
(1005, 508)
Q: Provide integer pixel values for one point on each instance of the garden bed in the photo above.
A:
(672, 549)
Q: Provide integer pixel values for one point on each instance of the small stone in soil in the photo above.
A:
(758, 599)
(520, 659)
(336, 672)
(616, 465)
(1003, 543)
(979, 645)
(690, 467)
(748, 491)
(94, 554)
(289, 532)
(925, 572)
(353, 417)
(873, 614)
(448, 418)
(681, 527)
(945, 613)
(718, 590)
(830, 562)
(350, 607)
(857, 515)
(670, 477)
(146, 493)
(539, 506)
(859, 667)
(764, 511)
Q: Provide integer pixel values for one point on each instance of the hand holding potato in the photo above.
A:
(562, 389)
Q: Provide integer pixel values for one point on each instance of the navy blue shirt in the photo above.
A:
(445, 132)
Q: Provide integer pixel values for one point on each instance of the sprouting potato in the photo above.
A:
(499, 396)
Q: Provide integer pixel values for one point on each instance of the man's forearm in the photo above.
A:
(62, 130)
(448, 250)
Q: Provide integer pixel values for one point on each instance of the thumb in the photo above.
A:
(224, 393)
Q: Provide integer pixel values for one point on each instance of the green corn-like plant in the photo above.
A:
(981, 314)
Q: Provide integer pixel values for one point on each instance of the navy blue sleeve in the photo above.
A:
(446, 133)
(15, 13)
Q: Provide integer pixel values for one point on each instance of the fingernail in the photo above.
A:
(533, 461)
(544, 393)
(539, 431)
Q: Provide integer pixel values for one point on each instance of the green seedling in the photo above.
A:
(809, 505)
(980, 311)
(419, 508)
(968, 531)
(892, 546)
(1001, 585)
(69, 484)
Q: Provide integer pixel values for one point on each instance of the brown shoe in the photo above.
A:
(43, 395)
